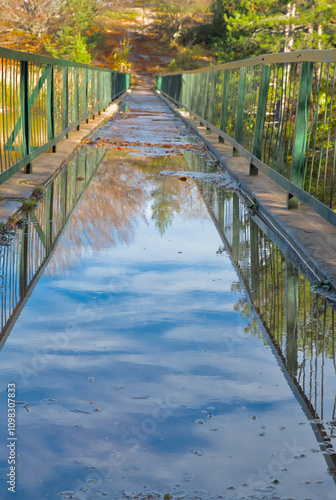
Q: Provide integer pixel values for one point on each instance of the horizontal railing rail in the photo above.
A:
(42, 99)
(278, 111)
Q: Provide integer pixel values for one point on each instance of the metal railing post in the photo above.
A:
(76, 96)
(86, 88)
(301, 127)
(24, 103)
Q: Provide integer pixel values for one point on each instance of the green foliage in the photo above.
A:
(173, 67)
(120, 57)
(68, 45)
(38, 192)
(80, 14)
(75, 39)
(29, 204)
(242, 29)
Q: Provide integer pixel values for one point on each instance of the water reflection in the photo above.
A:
(138, 356)
(23, 261)
(298, 322)
(113, 220)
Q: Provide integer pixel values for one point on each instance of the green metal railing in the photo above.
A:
(42, 99)
(278, 111)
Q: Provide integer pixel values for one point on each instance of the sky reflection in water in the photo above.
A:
(136, 362)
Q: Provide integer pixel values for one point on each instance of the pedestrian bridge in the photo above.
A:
(278, 113)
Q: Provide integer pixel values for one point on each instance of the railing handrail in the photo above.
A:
(42, 59)
(309, 55)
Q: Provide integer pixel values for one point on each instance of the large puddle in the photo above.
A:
(161, 344)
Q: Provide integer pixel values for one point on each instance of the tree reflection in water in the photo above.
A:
(118, 198)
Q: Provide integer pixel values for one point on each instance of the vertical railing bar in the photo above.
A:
(205, 95)
(25, 121)
(329, 132)
(267, 138)
(291, 104)
(4, 112)
(18, 104)
(31, 71)
(86, 90)
(282, 133)
(261, 114)
(2, 151)
(11, 106)
(324, 131)
(211, 105)
(225, 102)
(280, 118)
(240, 107)
(333, 176)
(274, 96)
(288, 83)
(316, 126)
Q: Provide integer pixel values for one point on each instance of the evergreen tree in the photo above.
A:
(242, 29)
(72, 40)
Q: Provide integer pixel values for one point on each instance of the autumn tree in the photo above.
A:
(173, 16)
(25, 23)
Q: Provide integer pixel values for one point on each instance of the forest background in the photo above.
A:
(165, 35)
